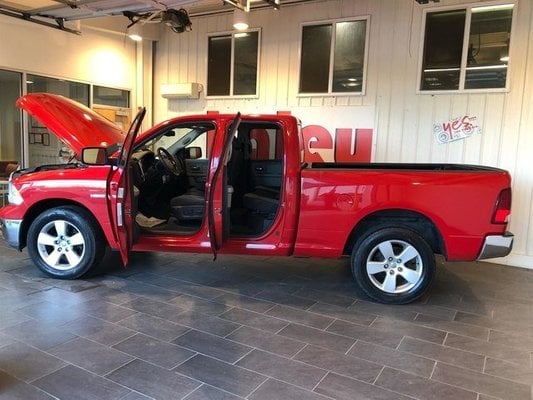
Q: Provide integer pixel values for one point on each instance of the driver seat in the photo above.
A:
(189, 207)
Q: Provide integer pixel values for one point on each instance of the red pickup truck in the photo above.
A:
(239, 184)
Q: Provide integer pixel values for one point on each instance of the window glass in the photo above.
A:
(349, 56)
(44, 147)
(246, 63)
(314, 66)
(232, 64)
(333, 57)
(111, 97)
(10, 129)
(488, 48)
(459, 57)
(219, 66)
(443, 48)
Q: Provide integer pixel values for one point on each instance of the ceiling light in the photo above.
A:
(240, 20)
(135, 33)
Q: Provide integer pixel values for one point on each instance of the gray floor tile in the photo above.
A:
(343, 388)
(352, 367)
(343, 313)
(409, 329)
(393, 358)
(481, 383)
(282, 297)
(485, 348)
(245, 302)
(14, 389)
(421, 388)
(206, 392)
(27, 363)
(282, 368)
(89, 355)
(227, 377)
(266, 341)
(199, 305)
(213, 346)
(108, 311)
(98, 330)
(276, 390)
(39, 334)
(254, 320)
(300, 317)
(446, 354)
(320, 338)
(204, 322)
(153, 307)
(152, 326)
(154, 351)
(153, 381)
(71, 382)
(370, 351)
(366, 333)
(509, 371)
(459, 328)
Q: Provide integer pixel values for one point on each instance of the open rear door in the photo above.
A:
(217, 197)
(120, 190)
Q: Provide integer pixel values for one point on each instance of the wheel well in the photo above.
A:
(398, 218)
(38, 208)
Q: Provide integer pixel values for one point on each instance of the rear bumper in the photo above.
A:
(10, 230)
(496, 246)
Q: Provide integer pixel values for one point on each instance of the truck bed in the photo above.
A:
(403, 167)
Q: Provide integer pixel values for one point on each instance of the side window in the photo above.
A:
(266, 144)
(232, 65)
(467, 48)
(333, 57)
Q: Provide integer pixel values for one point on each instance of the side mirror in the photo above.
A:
(94, 156)
(193, 153)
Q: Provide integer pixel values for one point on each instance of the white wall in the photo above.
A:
(93, 57)
(402, 119)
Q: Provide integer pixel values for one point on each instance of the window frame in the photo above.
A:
(232, 66)
(333, 23)
(466, 38)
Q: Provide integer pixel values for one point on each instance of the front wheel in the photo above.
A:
(393, 265)
(65, 242)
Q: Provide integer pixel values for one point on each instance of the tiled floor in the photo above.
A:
(180, 326)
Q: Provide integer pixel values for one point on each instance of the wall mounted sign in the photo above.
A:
(456, 129)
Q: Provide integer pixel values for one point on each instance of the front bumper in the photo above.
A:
(496, 246)
(10, 229)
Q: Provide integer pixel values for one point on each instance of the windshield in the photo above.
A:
(180, 137)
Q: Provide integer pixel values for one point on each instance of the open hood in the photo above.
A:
(73, 123)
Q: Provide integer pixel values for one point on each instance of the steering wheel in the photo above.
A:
(169, 162)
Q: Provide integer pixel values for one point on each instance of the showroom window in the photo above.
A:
(232, 64)
(107, 96)
(333, 57)
(467, 48)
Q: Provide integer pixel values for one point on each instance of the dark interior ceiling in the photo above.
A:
(55, 13)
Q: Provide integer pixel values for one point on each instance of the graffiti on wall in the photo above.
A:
(456, 129)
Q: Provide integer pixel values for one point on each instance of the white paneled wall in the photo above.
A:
(403, 118)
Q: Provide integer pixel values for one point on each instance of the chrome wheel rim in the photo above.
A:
(394, 266)
(61, 245)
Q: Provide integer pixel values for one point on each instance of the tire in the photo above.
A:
(381, 273)
(65, 242)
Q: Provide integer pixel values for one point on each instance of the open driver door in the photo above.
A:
(121, 191)
(218, 209)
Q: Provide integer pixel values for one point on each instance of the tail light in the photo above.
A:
(502, 211)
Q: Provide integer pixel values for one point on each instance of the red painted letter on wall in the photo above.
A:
(362, 150)
(316, 137)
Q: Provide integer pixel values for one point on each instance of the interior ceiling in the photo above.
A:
(70, 10)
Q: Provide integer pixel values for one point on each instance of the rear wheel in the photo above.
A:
(393, 265)
(65, 242)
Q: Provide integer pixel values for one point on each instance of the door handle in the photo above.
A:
(259, 169)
